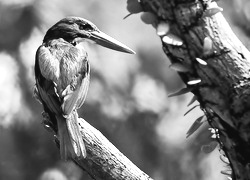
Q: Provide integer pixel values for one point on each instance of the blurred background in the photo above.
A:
(127, 99)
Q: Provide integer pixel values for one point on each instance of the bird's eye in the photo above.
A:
(85, 27)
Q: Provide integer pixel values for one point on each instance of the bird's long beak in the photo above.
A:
(109, 42)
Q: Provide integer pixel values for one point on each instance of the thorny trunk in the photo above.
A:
(224, 90)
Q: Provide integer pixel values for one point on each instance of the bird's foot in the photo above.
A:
(47, 123)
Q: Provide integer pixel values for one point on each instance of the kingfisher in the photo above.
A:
(62, 75)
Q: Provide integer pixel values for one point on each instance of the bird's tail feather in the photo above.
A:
(71, 142)
(74, 132)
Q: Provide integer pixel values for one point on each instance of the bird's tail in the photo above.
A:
(71, 142)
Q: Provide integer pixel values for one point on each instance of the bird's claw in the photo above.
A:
(47, 123)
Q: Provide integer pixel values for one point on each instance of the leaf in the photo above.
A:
(207, 46)
(192, 100)
(148, 18)
(180, 92)
(197, 123)
(172, 40)
(190, 110)
(209, 147)
(212, 11)
(201, 61)
(193, 82)
(134, 7)
(179, 67)
(162, 28)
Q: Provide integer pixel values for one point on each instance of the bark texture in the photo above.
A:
(224, 90)
(104, 160)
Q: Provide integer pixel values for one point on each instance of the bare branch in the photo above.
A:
(104, 160)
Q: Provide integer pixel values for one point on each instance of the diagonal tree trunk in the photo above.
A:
(219, 78)
(104, 160)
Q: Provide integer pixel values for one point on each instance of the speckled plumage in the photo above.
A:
(67, 66)
(62, 77)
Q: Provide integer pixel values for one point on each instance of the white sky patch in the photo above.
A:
(172, 130)
(53, 173)
(10, 93)
(12, 106)
(27, 52)
(96, 92)
(173, 126)
(116, 107)
(149, 94)
(49, 12)
(113, 105)
(211, 166)
(115, 67)
(16, 2)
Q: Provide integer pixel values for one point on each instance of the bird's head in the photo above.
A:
(75, 29)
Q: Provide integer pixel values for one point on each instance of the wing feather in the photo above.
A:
(44, 84)
(66, 66)
(62, 80)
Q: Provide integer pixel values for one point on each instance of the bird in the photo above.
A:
(62, 75)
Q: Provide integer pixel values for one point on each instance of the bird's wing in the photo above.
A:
(76, 79)
(45, 68)
(65, 71)
(73, 98)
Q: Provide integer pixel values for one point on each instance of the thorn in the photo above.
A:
(224, 159)
(201, 61)
(190, 110)
(227, 172)
(172, 40)
(197, 123)
(127, 16)
(207, 46)
(179, 67)
(181, 92)
(192, 100)
(148, 18)
(212, 11)
(193, 82)
(162, 28)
